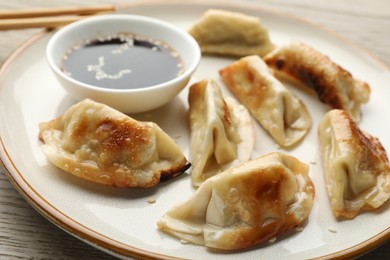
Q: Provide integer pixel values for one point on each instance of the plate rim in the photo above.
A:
(110, 245)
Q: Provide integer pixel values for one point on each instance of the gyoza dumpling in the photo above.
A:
(230, 33)
(276, 108)
(306, 66)
(356, 168)
(222, 133)
(98, 143)
(245, 205)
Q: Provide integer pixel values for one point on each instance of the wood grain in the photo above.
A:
(25, 234)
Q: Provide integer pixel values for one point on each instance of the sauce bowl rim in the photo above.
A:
(59, 34)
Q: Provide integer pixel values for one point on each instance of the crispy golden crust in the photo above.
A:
(306, 66)
(100, 144)
(275, 107)
(239, 73)
(356, 167)
(246, 205)
(371, 152)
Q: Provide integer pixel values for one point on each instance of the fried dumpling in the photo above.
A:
(245, 205)
(276, 108)
(308, 67)
(222, 133)
(98, 143)
(356, 167)
(229, 33)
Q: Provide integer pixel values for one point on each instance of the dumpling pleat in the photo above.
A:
(222, 133)
(276, 108)
(245, 205)
(100, 144)
(356, 167)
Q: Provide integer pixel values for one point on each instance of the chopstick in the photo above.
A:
(50, 18)
(48, 22)
(82, 10)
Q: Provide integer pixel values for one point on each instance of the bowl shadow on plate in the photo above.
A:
(172, 118)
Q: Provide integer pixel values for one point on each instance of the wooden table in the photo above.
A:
(24, 233)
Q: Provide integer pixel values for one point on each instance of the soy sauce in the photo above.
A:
(122, 61)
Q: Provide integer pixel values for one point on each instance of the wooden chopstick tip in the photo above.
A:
(48, 18)
(42, 12)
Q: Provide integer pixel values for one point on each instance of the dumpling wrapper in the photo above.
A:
(222, 133)
(231, 33)
(305, 66)
(356, 167)
(98, 143)
(275, 107)
(245, 205)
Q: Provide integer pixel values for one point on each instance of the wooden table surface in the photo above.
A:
(25, 234)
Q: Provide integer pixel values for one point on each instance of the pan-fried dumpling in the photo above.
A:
(276, 108)
(222, 133)
(306, 66)
(244, 206)
(230, 33)
(98, 143)
(356, 168)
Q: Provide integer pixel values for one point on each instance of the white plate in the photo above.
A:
(121, 221)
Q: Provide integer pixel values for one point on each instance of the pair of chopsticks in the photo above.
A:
(48, 18)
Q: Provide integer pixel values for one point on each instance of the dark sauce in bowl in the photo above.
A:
(122, 61)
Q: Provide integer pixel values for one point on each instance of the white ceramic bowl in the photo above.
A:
(125, 100)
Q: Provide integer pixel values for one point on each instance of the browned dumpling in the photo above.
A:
(356, 167)
(230, 33)
(275, 107)
(98, 143)
(308, 67)
(245, 205)
(222, 133)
